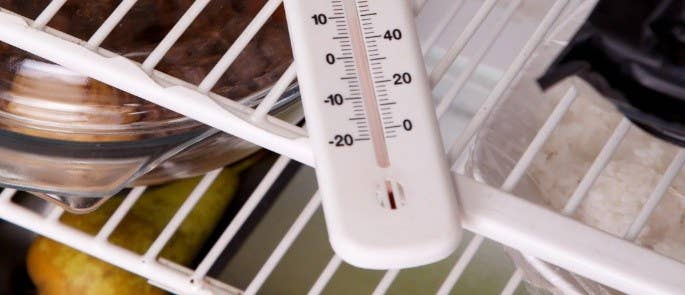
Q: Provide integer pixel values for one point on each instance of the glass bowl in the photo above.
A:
(73, 139)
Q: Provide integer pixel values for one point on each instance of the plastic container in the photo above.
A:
(619, 193)
(615, 199)
(63, 134)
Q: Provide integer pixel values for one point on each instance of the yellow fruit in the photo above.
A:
(58, 269)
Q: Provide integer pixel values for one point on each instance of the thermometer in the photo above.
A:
(388, 196)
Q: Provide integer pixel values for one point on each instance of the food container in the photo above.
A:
(620, 191)
(618, 194)
(73, 139)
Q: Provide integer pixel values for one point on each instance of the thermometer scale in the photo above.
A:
(387, 193)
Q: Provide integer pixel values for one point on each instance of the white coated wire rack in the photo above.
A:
(490, 213)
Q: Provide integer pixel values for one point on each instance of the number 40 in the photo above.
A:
(391, 35)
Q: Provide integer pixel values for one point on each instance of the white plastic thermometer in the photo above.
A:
(387, 193)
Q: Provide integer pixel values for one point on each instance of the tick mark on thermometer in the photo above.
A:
(367, 86)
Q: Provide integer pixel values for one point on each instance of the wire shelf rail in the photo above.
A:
(610, 260)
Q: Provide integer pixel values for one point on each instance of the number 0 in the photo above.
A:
(408, 125)
(330, 59)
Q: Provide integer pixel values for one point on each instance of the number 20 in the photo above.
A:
(404, 78)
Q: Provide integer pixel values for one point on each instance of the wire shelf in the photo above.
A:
(490, 213)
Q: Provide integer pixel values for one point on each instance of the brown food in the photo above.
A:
(255, 5)
(100, 104)
(193, 56)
